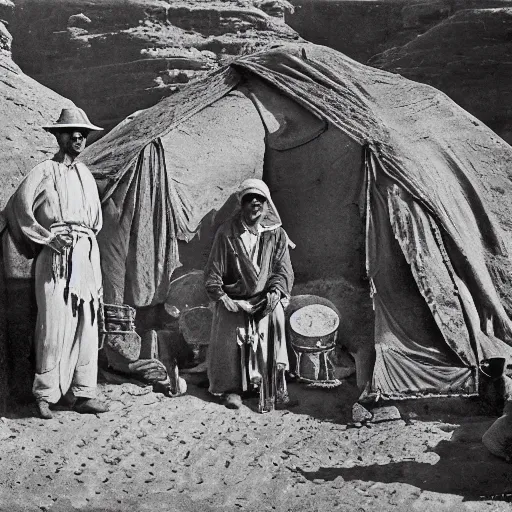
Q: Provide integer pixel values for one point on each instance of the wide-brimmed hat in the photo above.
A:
(72, 118)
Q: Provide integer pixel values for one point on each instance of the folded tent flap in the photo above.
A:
(423, 345)
(287, 123)
(140, 233)
(447, 368)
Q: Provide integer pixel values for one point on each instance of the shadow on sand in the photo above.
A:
(333, 405)
(465, 468)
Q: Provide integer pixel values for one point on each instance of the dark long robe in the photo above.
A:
(230, 271)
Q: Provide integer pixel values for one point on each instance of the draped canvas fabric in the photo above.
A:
(447, 215)
(433, 148)
(425, 142)
(139, 236)
(422, 344)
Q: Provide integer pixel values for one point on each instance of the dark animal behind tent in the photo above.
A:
(365, 166)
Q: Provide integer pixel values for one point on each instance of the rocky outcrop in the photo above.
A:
(362, 29)
(359, 29)
(462, 47)
(6, 10)
(25, 106)
(469, 57)
(114, 57)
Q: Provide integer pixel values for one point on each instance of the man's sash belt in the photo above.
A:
(74, 264)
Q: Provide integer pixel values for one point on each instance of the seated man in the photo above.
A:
(249, 275)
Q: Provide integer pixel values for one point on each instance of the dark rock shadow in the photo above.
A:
(19, 411)
(465, 468)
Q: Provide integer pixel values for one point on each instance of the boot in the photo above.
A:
(231, 400)
(43, 408)
(89, 406)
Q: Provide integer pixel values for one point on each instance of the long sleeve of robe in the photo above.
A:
(55, 197)
(230, 270)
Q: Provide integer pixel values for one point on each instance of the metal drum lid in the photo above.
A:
(195, 325)
(314, 321)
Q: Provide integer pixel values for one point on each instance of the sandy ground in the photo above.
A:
(152, 453)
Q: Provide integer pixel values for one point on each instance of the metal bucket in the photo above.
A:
(313, 352)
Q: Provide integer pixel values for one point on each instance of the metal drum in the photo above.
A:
(195, 326)
(312, 328)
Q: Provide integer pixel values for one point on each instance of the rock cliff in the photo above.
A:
(364, 28)
(6, 10)
(462, 47)
(25, 106)
(469, 57)
(113, 57)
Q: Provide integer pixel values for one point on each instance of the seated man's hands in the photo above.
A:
(229, 304)
(273, 298)
(244, 305)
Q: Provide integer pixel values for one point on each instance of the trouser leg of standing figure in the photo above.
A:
(56, 350)
(85, 374)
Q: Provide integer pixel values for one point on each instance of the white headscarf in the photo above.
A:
(271, 220)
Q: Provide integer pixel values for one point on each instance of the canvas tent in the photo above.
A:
(378, 180)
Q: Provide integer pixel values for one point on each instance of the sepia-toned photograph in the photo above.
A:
(255, 255)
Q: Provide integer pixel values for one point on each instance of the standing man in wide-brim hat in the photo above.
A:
(54, 216)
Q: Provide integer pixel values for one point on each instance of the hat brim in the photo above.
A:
(58, 127)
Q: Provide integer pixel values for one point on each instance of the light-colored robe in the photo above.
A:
(230, 270)
(62, 197)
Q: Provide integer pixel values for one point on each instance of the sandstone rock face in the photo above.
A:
(359, 29)
(5, 39)
(25, 106)
(469, 57)
(363, 28)
(462, 47)
(113, 57)
(6, 10)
